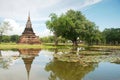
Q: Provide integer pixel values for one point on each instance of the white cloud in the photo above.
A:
(17, 10)
(16, 28)
(64, 5)
(44, 33)
(90, 2)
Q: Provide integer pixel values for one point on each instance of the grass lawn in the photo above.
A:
(48, 45)
(23, 46)
(103, 46)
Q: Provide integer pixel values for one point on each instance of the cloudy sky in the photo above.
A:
(105, 13)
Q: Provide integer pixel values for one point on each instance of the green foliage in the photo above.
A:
(49, 39)
(5, 38)
(73, 25)
(112, 36)
(53, 25)
(92, 35)
(12, 38)
(70, 25)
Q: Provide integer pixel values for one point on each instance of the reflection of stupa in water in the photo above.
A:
(28, 55)
(28, 63)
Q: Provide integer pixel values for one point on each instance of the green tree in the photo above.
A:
(52, 25)
(91, 33)
(73, 26)
(112, 36)
(4, 27)
(48, 39)
(14, 38)
(5, 38)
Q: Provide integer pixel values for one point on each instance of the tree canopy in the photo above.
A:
(73, 25)
(112, 36)
(53, 26)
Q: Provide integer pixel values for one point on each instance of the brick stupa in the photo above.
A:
(28, 36)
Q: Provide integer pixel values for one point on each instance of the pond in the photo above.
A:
(39, 64)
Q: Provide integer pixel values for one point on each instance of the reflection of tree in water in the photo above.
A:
(5, 62)
(64, 67)
(68, 71)
(0, 53)
(28, 55)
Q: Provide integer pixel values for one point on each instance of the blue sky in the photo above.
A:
(104, 13)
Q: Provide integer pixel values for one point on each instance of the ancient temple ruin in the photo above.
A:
(28, 36)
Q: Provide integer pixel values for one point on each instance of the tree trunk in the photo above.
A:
(56, 39)
(56, 42)
(56, 50)
(0, 53)
(0, 37)
(75, 43)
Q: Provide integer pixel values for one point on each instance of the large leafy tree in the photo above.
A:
(73, 25)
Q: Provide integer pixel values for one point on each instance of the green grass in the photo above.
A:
(103, 46)
(49, 45)
(35, 46)
(22, 46)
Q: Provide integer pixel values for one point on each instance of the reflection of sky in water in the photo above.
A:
(106, 71)
(9, 53)
(17, 71)
(37, 71)
(43, 58)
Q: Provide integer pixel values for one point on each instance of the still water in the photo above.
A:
(31, 64)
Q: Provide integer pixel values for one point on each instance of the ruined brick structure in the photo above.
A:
(28, 36)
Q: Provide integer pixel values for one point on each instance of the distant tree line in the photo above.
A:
(12, 38)
(111, 36)
(51, 39)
